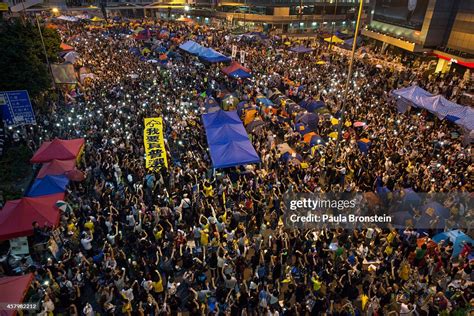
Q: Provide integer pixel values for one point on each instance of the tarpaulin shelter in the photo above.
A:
(58, 149)
(228, 141)
(204, 53)
(66, 47)
(301, 49)
(48, 185)
(334, 39)
(212, 56)
(13, 290)
(56, 167)
(17, 216)
(457, 237)
(436, 104)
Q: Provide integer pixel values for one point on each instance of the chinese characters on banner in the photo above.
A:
(154, 141)
(242, 57)
(234, 51)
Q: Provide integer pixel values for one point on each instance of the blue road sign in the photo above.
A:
(16, 108)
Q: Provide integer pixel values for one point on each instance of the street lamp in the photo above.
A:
(187, 8)
(55, 10)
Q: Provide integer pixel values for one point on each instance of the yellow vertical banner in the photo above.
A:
(154, 141)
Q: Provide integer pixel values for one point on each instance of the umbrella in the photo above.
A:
(321, 62)
(255, 125)
(307, 137)
(316, 140)
(457, 237)
(334, 121)
(359, 124)
(333, 135)
(434, 207)
(372, 199)
(250, 115)
(309, 119)
(379, 66)
(63, 206)
(75, 175)
(71, 57)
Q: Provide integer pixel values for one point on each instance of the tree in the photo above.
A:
(23, 64)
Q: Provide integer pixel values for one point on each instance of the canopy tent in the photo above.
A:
(56, 167)
(457, 237)
(48, 185)
(13, 290)
(17, 216)
(334, 39)
(436, 104)
(204, 53)
(228, 141)
(301, 49)
(58, 149)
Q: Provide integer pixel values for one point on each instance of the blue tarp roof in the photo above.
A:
(204, 53)
(228, 141)
(436, 104)
(48, 185)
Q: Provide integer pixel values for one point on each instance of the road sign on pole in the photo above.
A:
(16, 107)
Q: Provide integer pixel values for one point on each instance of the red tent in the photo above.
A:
(233, 67)
(13, 290)
(17, 216)
(58, 149)
(56, 167)
(66, 47)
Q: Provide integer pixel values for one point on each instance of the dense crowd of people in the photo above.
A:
(190, 239)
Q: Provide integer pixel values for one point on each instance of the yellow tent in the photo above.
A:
(335, 40)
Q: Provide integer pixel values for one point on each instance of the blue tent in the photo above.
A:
(310, 119)
(438, 208)
(191, 47)
(311, 105)
(240, 73)
(301, 49)
(228, 141)
(457, 237)
(48, 185)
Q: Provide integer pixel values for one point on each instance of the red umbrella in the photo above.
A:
(359, 124)
(75, 175)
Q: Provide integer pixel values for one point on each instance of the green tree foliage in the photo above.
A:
(22, 63)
